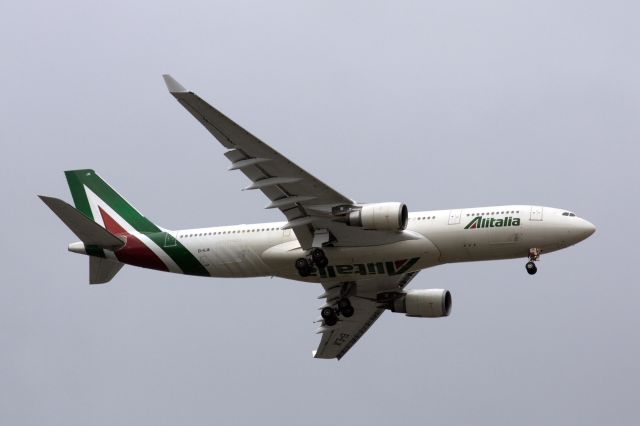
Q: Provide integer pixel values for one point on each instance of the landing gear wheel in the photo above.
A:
(343, 303)
(347, 311)
(531, 268)
(331, 321)
(322, 263)
(327, 312)
(303, 267)
(319, 258)
(345, 308)
(329, 316)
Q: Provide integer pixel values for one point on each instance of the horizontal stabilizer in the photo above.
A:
(101, 270)
(89, 232)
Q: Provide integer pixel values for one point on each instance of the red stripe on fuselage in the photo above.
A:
(134, 252)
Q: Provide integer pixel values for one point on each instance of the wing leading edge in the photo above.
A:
(291, 189)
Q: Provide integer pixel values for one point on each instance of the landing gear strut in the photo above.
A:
(534, 255)
(316, 258)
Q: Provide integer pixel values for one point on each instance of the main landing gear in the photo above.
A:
(534, 255)
(316, 257)
(330, 314)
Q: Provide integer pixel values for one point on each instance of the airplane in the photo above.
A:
(363, 254)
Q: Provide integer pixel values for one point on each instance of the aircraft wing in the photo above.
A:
(306, 201)
(338, 339)
(290, 188)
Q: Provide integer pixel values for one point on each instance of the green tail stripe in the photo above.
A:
(179, 253)
(78, 179)
(78, 193)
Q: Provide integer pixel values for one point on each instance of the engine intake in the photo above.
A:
(380, 216)
(431, 303)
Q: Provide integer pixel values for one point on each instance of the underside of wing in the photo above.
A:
(364, 298)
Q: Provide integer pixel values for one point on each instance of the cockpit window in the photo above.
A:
(568, 214)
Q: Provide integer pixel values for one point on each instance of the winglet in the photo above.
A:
(173, 85)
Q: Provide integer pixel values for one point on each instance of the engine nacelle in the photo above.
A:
(431, 303)
(380, 216)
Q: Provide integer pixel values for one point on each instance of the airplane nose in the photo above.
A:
(586, 228)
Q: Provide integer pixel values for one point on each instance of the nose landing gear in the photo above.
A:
(531, 268)
(534, 255)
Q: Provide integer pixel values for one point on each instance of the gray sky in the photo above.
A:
(438, 105)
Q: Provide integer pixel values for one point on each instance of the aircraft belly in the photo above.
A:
(231, 258)
(355, 262)
(462, 245)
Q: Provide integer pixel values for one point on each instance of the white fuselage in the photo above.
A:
(432, 238)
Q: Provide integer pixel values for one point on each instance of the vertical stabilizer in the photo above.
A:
(147, 245)
(94, 197)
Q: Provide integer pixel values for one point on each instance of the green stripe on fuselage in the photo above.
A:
(179, 253)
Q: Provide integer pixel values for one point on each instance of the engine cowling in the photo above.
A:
(431, 303)
(380, 216)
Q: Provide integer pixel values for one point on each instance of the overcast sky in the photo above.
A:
(436, 104)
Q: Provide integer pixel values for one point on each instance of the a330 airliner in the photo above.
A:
(363, 255)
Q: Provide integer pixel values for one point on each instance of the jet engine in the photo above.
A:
(380, 216)
(431, 303)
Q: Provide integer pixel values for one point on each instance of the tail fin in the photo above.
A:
(147, 245)
(98, 201)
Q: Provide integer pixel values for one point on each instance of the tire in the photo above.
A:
(317, 254)
(343, 303)
(347, 311)
(302, 263)
(331, 321)
(322, 263)
(327, 312)
(303, 267)
(531, 268)
(329, 316)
